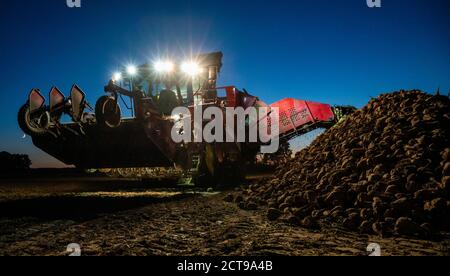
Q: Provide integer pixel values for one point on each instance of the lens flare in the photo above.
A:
(164, 66)
(132, 70)
(191, 68)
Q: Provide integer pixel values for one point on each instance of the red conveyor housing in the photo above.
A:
(298, 117)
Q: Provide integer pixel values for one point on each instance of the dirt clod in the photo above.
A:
(273, 214)
(406, 226)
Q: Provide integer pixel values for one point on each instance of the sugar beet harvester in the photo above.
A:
(101, 138)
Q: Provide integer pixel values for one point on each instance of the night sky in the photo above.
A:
(336, 52)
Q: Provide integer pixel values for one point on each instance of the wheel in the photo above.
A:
(214, 174)
(35, 126)
(204, 178)
(107, 112)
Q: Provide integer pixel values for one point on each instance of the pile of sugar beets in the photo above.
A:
(383, 170)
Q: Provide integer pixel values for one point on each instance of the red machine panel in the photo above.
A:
(321, 112)
(295, 114)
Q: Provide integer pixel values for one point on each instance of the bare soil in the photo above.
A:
(128, 217)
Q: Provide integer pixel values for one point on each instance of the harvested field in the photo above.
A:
(167, 222)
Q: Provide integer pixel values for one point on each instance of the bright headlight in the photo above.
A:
(191, 68)
(164, 66)
(117, 77)
(132, 70)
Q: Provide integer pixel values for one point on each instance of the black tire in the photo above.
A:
(204, 178)
(107, 112)
(215, 175)
(27, 126)
(231, 175)
(224, 177)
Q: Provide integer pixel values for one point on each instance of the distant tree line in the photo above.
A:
(14, 162)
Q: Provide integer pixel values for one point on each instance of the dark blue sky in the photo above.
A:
(337, 52)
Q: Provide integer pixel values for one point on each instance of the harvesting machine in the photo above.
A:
(101, 136)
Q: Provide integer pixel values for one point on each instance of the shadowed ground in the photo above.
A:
(118, 217)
